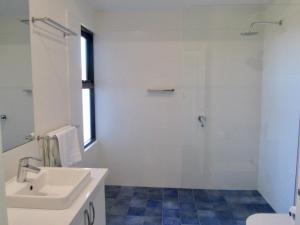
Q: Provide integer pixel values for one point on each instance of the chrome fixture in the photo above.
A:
(25, 167)
(29, 137)
(251, 32)
(3, 117)
(46, 137)
(161, 90)
(202, 120)
(52, 23)
(92, 212)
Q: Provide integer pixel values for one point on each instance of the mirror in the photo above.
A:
(16, 100)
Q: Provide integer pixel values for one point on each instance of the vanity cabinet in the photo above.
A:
(93, 211)
(87, 209)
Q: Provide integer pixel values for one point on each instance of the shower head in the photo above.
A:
(251, 32)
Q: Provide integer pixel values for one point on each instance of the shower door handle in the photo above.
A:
(202, 120)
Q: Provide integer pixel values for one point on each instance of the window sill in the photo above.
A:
(90, 146)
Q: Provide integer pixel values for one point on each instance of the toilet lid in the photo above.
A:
(270, 219)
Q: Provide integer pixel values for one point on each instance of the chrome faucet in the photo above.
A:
(25, 167)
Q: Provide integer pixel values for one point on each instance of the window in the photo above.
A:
(88, 95)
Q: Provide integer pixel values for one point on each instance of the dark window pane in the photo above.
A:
(87, 75)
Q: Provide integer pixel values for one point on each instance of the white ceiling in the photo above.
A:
(164, 4)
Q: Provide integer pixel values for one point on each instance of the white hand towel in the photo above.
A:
(51, 148)
(68, 145)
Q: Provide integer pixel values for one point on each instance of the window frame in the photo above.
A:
(89, 83)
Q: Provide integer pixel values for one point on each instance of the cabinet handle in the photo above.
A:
(87, 218)
(92, 212)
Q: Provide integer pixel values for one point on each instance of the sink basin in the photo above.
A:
(52, 188)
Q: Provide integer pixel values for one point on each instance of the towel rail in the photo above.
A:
(161, 90)
(40, 137)
(44, 138)
(52, 23)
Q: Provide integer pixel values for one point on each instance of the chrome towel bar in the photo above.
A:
(52, 23)
(161, 90)
(39, 137)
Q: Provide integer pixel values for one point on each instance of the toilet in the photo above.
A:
(270, 219)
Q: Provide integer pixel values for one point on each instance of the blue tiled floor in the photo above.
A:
(170, 206)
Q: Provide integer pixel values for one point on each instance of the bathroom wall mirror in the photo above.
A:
(16, 100)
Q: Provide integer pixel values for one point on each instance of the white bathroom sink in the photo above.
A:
(52, 188)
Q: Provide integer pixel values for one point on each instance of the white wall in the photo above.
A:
(155, 139)
(55, 97)
(280, 108)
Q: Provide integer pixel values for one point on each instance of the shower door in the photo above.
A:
(194, 120)
(222, 85)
